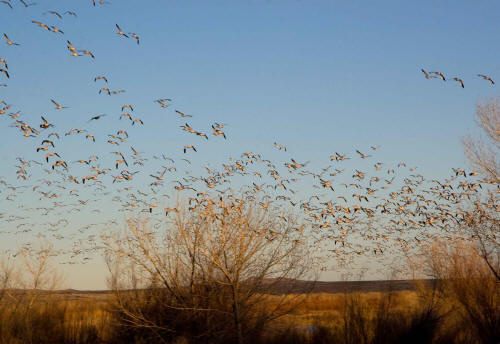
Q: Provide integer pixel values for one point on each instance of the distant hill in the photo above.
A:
(275, 287)
(297, 286)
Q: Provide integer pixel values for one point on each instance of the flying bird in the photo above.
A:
(120, 31)
(95, 118)
(27, 4)
(105, 89)
(134, 36)
(42, 25)
(218, 132)
(54, 13)
(7, 3)
(427, 76)
(486, 78)
(70, 46)
(5, 72)
(182, 114)
(56, 30)
(363, 156)
(189, 147)
(440, 75)
(8, 41)
(58, 107)
(459, 81)
(100, 77)
(86, 52)
(45, 124)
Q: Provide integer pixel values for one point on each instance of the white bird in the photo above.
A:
(120, 31)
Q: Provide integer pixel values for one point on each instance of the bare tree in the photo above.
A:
(483, 153)
(467, 283)
(482, 217)
(6, 277)
(216, 262)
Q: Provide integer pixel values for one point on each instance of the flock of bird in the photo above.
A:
(460, 81)
(372, 209)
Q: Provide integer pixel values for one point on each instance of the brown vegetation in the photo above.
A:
(461, 306)
(206, 275)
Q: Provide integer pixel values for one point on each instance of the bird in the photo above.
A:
(4, 72)
(25, 4)
(105, 89)
(56, 30)
(120, 31)
(363, 156)
(189, 147)
(58, 107)
(8, 41)
(4, 62)
(134, 36)
(48, 142)
(486, 78)
(54, 13)
(87, 52)
(279, 147)
(459, 81)
(218, 132)
(100, 77)
(427, 76)
(127, 115)
(119, 132)
(440, 75)
(6, 3)
(48, 155)
(70, 46)
(45, 124)
(182, 114)
(95, 118)
(42, 25)
(154, 205)
(71, 13)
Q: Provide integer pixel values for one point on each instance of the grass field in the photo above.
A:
(422, 315)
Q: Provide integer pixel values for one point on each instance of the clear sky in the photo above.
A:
(316, 76)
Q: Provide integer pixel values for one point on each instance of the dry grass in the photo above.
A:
(423, 316)
(49, 319)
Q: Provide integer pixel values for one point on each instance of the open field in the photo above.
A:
(352, 312)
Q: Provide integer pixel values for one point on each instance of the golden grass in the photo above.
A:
(343, 318)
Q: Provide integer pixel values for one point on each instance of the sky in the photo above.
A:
(316, 76)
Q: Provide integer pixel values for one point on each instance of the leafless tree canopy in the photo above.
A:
(215, 263)
(483, 216)
(483, 152)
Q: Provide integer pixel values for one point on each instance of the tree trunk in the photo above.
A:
(236, 315)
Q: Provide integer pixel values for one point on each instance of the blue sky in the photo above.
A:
(316, 76)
